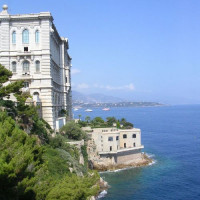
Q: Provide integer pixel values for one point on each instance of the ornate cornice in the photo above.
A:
(26, 17)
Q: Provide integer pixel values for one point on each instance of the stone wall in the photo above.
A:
(128, 157)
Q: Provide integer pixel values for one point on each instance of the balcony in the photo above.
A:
(122, 150)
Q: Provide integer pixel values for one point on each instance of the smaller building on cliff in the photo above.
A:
(112, 147)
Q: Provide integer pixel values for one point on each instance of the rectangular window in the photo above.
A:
(117, 137)
(124, 145)
(25, 49)
(25, 36)
(14, 37)
(37, 36)
(110, 138)
(26, 84)
(124, 136)
(110, 148)
(134, 144)
(134, 136)
(14, 68)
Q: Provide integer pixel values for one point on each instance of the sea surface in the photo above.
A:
(171, 136)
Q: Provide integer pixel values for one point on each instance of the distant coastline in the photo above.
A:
(117, 104)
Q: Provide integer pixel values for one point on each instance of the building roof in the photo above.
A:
(4, 15)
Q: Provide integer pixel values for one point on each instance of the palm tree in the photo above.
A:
(87, 119)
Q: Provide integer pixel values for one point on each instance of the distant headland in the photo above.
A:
(101, 100)
(117, 104)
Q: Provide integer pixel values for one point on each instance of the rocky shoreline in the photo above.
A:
(144, 161)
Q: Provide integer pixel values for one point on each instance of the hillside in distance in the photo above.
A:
(101, 100)
(78, 97)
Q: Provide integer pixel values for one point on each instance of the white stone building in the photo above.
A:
(33, 50)
(122, 146)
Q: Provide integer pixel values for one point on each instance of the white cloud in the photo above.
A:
(73, 84)
(75, 71)
(82, 86)
(99, 86)
(109, 87)
(130, 86)
(105, 87)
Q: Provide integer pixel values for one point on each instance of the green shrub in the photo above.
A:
(74, 188)
(85, 154)
(57, 141)
(72, 131)
(20, 158)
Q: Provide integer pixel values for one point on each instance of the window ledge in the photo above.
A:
(26, 73)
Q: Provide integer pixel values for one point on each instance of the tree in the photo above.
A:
(20, 159)
(128, 125)
(118, 124)
(123, 120)
(72, 131)
(26, 116)
(82, 123)
(98, 120)
(30, 171)
(87, 119)
(75, 188)
(5, 91)
(111, 120)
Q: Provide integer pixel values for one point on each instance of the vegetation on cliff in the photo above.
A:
(72, 131)
(34, 165)
(98, 122)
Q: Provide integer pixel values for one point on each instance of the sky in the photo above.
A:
(140, 50)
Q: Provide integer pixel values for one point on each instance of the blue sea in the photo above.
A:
(171, 136)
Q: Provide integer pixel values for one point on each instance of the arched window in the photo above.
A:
(25, 36)
(14, 37)
(37, 66)
(25, 66)
(37, 36)
(36, 97)
(36, 94)
(14, 68)
(134, 136)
